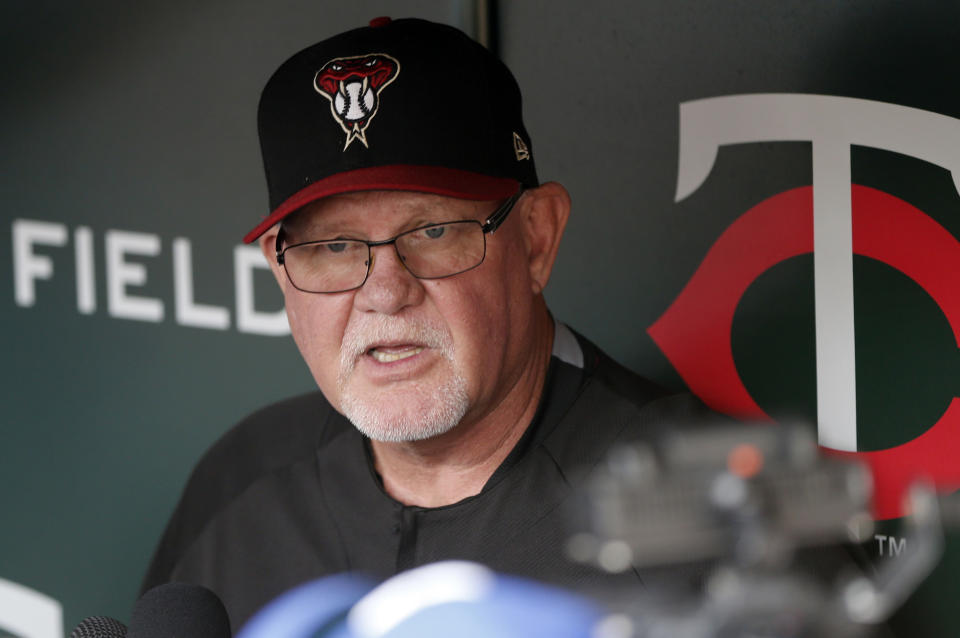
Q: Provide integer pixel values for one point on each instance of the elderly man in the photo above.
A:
(412, 242)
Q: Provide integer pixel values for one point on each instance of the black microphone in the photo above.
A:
(99, 627)
(179, 610)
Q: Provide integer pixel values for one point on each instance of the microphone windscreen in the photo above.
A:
(99, 627)
(179, 610)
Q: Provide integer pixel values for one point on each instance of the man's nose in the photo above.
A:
(389, 287)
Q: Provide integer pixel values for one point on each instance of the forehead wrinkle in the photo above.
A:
(347, 213)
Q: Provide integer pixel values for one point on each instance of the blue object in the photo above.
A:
(467, 600)
(309, 610)
(440, 600)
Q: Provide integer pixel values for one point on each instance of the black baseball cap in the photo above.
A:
(399, 105)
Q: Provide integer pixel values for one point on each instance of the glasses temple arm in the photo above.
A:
(280, 246)
(498, 216)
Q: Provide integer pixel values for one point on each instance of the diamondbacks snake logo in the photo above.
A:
(353, 85)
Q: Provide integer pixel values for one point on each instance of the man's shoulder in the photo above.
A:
(601, 373)
(616, 405)
(268, 440)
(275, 437)
(653, 400)
(607, 376)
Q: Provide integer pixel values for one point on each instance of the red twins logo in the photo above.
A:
(353, 86)
(833, 219)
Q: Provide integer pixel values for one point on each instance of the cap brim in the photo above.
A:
(436, 180)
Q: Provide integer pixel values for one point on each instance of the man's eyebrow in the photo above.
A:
(321, 226)
(348, 225)
(314, 233)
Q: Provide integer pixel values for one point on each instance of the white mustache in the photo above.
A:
(364, 334)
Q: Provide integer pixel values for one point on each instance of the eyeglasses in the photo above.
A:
(433, 251)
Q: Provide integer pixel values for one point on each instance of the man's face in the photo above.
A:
(405, 358)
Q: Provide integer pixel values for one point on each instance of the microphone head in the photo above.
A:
(179, 610)
(99, 627)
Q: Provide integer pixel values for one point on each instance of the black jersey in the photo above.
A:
(290, 494)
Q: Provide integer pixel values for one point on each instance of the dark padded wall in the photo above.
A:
(140, 118)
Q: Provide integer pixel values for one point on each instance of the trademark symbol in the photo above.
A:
(894, 545)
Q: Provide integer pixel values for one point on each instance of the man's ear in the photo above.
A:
(545, 215)
(268, 244)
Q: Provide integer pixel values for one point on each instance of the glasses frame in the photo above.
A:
(492, 223)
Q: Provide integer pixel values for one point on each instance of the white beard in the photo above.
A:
(414, 413)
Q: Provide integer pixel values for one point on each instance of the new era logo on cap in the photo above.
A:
(520, 148)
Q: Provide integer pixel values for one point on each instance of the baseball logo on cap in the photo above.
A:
(353, 86)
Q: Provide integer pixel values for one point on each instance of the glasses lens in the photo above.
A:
(327, 266)
(441, 250)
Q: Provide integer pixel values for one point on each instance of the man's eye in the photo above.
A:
(336, 247)
(435, 232)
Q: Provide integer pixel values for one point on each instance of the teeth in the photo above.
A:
(387, 357)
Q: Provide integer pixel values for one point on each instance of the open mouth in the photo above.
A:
(389, 354)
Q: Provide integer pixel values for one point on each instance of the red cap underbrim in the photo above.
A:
(436, 180)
